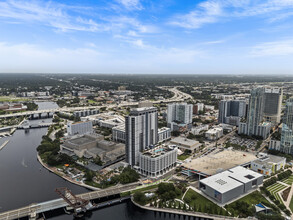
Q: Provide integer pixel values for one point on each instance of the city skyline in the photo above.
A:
(135, 36)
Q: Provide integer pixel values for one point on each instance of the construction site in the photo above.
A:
(216, 162)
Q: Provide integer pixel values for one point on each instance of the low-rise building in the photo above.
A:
(268, 164)
(106, 120)
(164, 134)
(91, 146)
(118, 133)
(230, 184)
(198, 129)
(186, 144)
(81, 127)
(84, 113)
(157, 161)
(174, 126)
(227, 127)
(209, 107)
(111, 123)
(13, 107)
(214, 134)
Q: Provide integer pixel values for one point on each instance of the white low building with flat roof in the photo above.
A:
(198, 129)
(186, 144)
(81, 127)
(230, 184)
(214, 134)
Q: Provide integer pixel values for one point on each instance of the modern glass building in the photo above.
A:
(273, 103)
(231, 109)
(254, 125)
(179, 113)
(286, 145)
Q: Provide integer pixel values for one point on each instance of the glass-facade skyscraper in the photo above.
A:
(286, 145)
(255, 125)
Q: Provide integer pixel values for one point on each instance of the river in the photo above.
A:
(24, 181)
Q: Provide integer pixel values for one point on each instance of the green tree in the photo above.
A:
(89, 175)
(97, 160)
(128, 175)
(140, 198)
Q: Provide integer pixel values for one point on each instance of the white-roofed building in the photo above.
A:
(230, 184)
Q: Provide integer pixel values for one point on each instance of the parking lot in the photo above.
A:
(249, 143)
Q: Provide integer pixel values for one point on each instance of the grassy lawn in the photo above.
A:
(201, 203)
(92, 183)
(91, 101)
(289, 180)
(291, 204)
(139, 190)
(251, 199)
(183, 156)
(275, 188)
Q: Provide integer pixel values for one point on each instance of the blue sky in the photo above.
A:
(147, 36)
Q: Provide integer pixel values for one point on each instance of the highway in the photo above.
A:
(178, 97)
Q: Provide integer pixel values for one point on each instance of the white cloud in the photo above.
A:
(275, 48)
(131, 4)
(214, 42)
(139, 43)
(207, 12)
(213, 11)
(51, 14)
(119, 23)
(132, 33)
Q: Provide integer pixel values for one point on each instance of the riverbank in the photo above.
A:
(55, 171)
(182, 212)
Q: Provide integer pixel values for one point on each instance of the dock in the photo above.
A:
(4, 144)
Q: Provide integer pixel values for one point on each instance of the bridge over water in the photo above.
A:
(34, 209)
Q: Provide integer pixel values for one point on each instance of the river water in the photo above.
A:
(24, 181)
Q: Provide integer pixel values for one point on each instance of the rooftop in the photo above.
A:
(221, 182)
(120, 127)
(269, 159)
(230, 179)
(157, 151)
(215, 163)
(163, 129)
(184, 141)
(243, 175)
(81, 141)
(80, 122)
(214, 130)
(138, 111)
